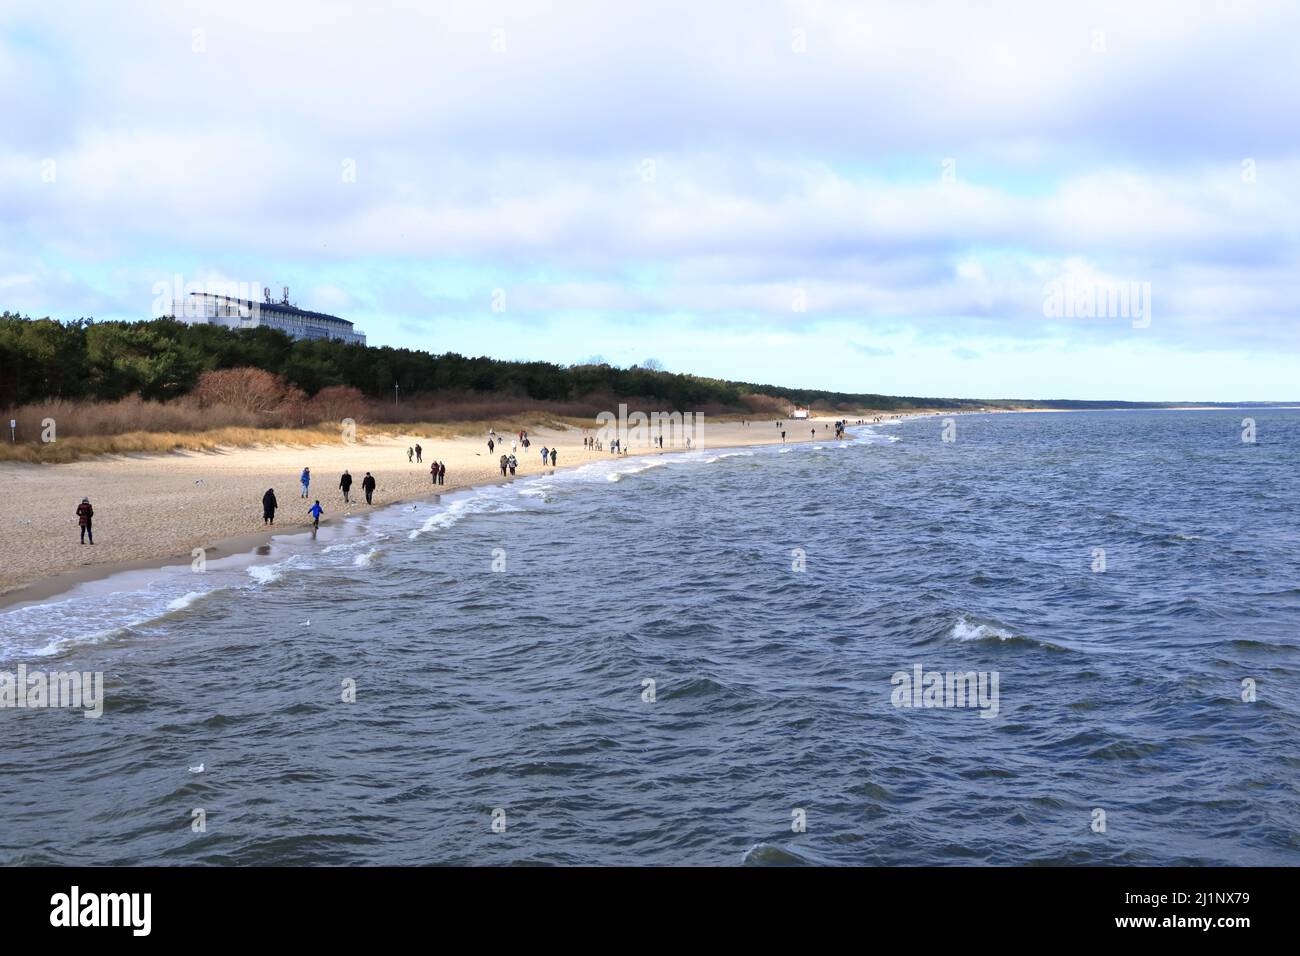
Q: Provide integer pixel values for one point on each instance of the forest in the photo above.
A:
(43, 360)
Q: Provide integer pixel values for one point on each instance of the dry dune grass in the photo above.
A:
(134, 426)
(80, 447)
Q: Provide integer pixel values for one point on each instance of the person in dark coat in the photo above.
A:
(442, 472)
(269, 504)
(345, 483)
(84, 515)
(505, 464)
(368, 486)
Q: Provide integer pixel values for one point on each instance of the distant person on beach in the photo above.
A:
(554, 455)
(410, 454)
(345, 485)
(514, 445)
(418, 451)
(368, 486)
(306, 481)
(315, 511)
(442, 472)
(84, 515)
(514, 463)
(433, 473)
(505, 464)
(782, 438)
(491, 446)
(269, 504)
(546, 453)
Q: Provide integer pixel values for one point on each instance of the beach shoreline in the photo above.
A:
(56, 565)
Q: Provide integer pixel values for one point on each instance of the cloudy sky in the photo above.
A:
(909, 198)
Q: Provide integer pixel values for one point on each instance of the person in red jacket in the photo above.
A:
(84, 514)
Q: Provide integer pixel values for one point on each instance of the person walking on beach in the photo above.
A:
(306, 480)
(554, 455)
(433, 473)
(315, 511)
(782, 438)
(491, 446)
(418, 451)
(514, 463)
(505, 463)
(514, 445)
(84, 515)
(442, 472)
(546, 453)
(269, 504)
(410, 454)
(345, 484)
(368, 486)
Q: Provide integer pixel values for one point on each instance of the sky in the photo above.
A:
(1002, 200)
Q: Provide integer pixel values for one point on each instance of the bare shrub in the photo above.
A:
(335, 403)
(252, 389)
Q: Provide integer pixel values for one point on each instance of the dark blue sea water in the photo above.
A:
(521, 691)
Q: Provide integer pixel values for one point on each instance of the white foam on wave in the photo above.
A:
(636, 469)
(485, 501)
(185, 600)
(265, 573)
(366, 559)
(967, 630)
(726, 454)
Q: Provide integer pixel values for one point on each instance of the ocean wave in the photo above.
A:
(969, 630)
(726, 454)
(185, 600)
(486, 500)
(767, 854)
(965, 629)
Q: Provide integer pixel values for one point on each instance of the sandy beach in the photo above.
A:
(156, 509)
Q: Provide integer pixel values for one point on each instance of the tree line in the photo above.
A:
(162, 359)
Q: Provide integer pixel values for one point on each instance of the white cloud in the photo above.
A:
(773, 170)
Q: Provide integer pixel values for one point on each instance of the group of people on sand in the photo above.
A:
(437, 476)
(437, 469)
(270, 504)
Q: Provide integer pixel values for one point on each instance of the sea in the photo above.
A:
(991, 639)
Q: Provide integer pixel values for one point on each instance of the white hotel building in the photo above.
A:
(249, 314)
